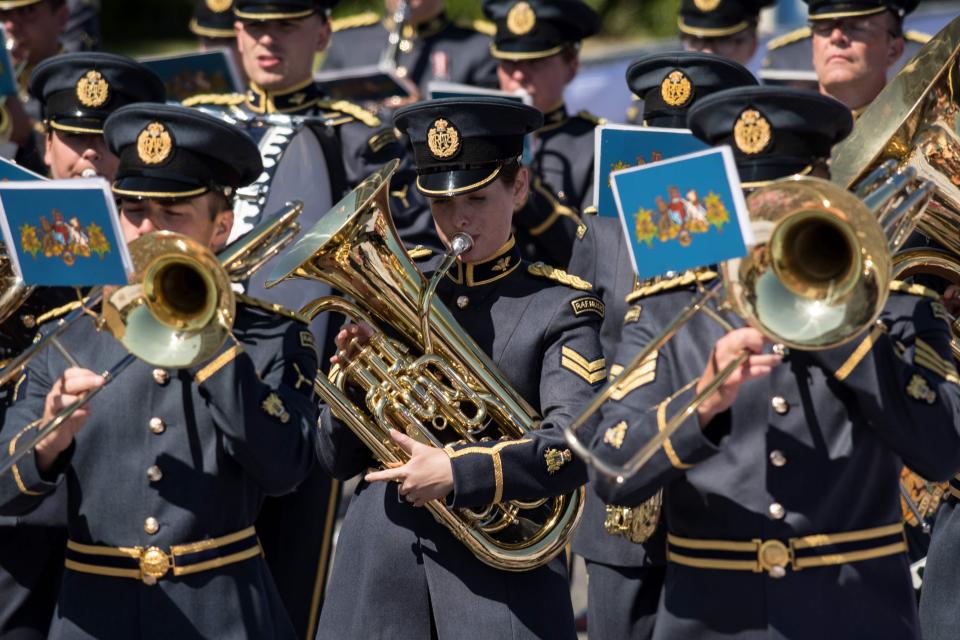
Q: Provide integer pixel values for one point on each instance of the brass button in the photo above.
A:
(561, 195)
(779, 349)
(157, 426)
(29, 321)
(780, 405)
(777, 458)
(401, 72)
(463, 302)
(151, 525)
(161, 377)
(777, 512)
(154, 474)
(406, 46)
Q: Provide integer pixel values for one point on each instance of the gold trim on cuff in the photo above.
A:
(858, 354)
(662, 424)
(218, 363)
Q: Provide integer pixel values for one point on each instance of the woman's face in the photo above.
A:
(486, 215)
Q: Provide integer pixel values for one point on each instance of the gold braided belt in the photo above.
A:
(153, 563)
(775, 556)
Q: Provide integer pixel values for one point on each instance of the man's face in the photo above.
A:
(70, 154)
(738, 47)
(202, 218)
(278, 54)
(486, 215)
(854, 50)
(544, 78)
(35, 30)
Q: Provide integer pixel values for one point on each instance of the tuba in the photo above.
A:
(431, 382)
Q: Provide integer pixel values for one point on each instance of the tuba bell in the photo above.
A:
(432, 382)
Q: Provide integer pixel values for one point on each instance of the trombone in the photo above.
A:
(177, 313)
(817, 278)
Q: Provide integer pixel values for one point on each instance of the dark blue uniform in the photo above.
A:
(939, 616)
(399, 574)
(172, 458)
(439, 49)
(805, 455)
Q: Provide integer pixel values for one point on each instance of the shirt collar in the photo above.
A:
(299, 98)
(501, 264)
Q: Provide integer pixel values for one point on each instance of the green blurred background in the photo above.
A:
(139, 27)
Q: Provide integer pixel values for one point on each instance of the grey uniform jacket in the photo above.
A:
(395, 556)
(814, 448)
(216, 439)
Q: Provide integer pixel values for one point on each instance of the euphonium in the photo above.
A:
(432, 382)
(13, 292)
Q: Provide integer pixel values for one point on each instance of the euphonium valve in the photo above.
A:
(426, 378)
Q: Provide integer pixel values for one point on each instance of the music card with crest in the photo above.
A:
(622, 146)
(683, 213)
(64, 233)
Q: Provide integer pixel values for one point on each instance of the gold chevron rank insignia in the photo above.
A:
(644, 374)
(927, 357)
(593, 372)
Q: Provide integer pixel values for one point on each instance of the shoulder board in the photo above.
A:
(916, 36)
(379, 140)
(913, 289)
(257, 303)
(217, 99)
(558, 275)
(420, 252)
(657, 285)
(351, 109)
(485, 27)
(364, 19)
(589, 117)
(59, 312)
(789, 38)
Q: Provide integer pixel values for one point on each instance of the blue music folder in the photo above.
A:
(619, 146)
(10, 171)
(64, 233)
(683, 213)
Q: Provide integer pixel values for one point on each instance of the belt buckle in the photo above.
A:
(773, 557)
(154, 564)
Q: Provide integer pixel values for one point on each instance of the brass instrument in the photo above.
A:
(433, 382)
(817, 278)
(13, 292)
(178, 311)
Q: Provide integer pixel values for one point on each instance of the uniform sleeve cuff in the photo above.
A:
(688, 445)
(474, 479)
(27, 475)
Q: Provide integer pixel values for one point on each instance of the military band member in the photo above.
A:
(32, 546)
(431, 46)
(392, 553)
(727, 28)
(165, 469)
(855, 43)
(625, 563)
(277, 42)
(82, 32)
(537, 47)
(212, 23)
(770, 530)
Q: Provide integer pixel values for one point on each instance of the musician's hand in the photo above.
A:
(951, 300)
(70, 387)
(725, 351)
(428, 475)
(351, 339)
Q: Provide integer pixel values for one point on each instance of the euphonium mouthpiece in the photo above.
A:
(89, 173)
(461, 244)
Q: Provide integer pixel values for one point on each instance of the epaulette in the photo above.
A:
(420, 252)
(257, 303)
(659, 284)
(558, 275)
(364, 19)
(59, 312)
(217, 99)
(485, 27)
(789, 38)
(354, 110)
(913, 289)
(589, 117)
(916, 36)
(379, 140)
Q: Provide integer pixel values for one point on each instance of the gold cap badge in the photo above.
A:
(92, 89)
(706, 5)
(443, 139)
(521, 19)
(219, 6)
(676, 89)
(154, 144)
(752, 132)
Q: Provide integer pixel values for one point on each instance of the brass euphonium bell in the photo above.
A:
(433, 382)
(13, 292)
